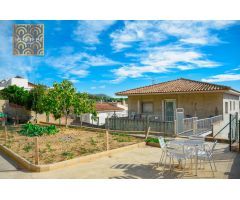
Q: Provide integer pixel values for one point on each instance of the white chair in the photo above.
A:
(206, 154)
(163, 146)
(172, 152)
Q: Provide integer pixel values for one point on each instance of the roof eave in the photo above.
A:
(163, 93)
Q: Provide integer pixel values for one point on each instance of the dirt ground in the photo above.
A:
(68, 143)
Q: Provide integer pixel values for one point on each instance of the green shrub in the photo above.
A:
(28, 147)
(152, 140)
(68, 154)
(93, 142)
(32, 130)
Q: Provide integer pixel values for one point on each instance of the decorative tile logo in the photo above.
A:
(28, 39)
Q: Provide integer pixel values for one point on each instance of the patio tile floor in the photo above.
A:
(134, 164)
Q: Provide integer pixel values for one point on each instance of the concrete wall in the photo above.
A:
(87, 118)
(201, 105)
(15, 111)
(20, 82)
(231, 99)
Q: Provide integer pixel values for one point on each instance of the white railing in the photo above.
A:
(204, 125)
(187, 124)
(197, 126)
(217, 118)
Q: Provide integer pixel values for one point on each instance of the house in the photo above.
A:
(198, 99)
(105, 110)
(18, 81)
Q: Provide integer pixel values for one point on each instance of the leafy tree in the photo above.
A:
(16, 95)
(83, 104)
(48, 103)
(36, 99)
(62, 96)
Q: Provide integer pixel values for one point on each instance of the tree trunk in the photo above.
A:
(81, 120)
(36, 117)
(47, 117)
(66, 120)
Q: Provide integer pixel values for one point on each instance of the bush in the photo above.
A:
(32, 130)
(152, 140)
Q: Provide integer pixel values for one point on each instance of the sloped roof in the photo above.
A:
(107, 107)
(181, 85)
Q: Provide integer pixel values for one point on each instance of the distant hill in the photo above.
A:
(104, 97)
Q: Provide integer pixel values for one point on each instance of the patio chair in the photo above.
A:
(173, 152)
(179, 153)
(163, 146)
(206, 154)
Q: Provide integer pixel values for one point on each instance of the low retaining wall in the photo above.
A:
(48, 167)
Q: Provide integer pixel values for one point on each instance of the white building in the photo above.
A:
(106, 110)
(18, 81)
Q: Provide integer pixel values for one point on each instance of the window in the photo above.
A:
(226, 107)
(147, 107)
(230, 106)
(234, 105)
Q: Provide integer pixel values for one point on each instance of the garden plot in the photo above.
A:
(68, 143)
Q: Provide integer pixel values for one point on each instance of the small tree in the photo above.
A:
(36, 96)
(83, 104)
(48, 103)
(62, 95)
(16, 95)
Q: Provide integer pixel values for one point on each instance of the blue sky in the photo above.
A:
(111, 56)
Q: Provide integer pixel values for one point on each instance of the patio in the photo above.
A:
(134, 164)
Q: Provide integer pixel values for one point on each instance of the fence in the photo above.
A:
(127, 124)
(234, 130)
(192, 126)
(42, 150)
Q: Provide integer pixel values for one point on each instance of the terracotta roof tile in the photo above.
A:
(107, 107)
(176, 86)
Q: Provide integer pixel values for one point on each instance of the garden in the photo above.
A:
(57, 144)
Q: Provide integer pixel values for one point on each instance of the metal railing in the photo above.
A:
(197, 126)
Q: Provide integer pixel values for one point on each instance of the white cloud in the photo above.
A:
(102, 86)
(89, 31)
(98, 87)
(222, 78)
(188, 32)
(78, 64)
(162, 60)
(179, 52)
(93, 88)
(135, 31)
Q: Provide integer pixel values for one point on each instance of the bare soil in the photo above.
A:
(68, 143)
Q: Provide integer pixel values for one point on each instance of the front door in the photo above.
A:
(169, 110)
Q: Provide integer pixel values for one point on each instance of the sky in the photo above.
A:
(112, 56)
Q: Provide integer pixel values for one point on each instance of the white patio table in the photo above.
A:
(189, 143)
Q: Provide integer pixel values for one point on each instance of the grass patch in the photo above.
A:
(28, 147)
(152, 140)
(68, 154)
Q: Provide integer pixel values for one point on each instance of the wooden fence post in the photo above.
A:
(107, 140)
(147, 132)
(5, 134)
(36, 155)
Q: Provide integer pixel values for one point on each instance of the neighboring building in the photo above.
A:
(18, 81)
(198, 99)
(105, 110)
